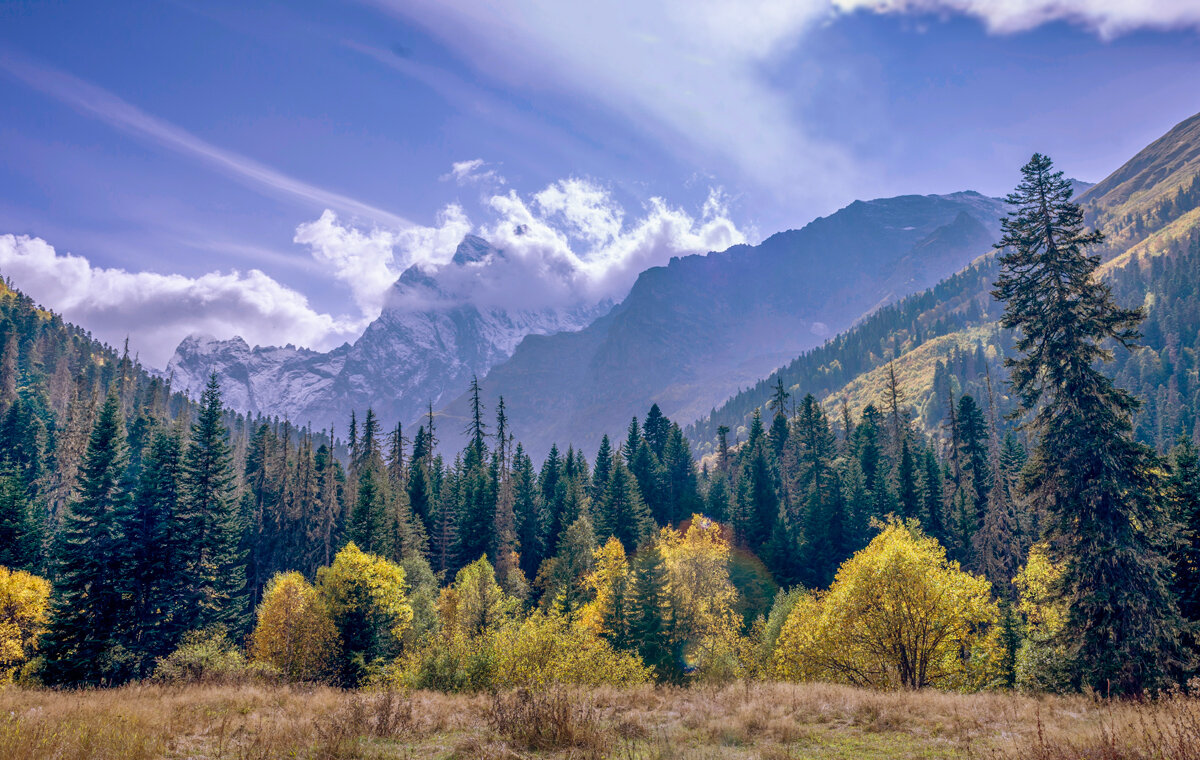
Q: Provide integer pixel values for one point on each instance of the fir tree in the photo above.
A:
(19, 543)
(907, 486)
(212, 567)
(649, 627)
(1183, 497)
(87, 607)
(931, 487)
(149, 581)
(1091, 477)
(621, 512)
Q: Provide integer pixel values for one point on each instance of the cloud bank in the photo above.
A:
(156, 311)
(570, 244)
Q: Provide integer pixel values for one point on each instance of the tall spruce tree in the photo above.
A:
(1183, 495)
(149, 581)
(1092, 479)
(211, 563)
(87, 607)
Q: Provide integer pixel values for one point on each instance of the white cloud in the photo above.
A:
(473, 173)
(1108, 18)
(157, 311)
(368, 262)
(566, 246)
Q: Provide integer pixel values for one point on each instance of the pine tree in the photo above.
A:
(211, 564)
(931, 486)
(1091, 478)
(87, 607)
(149, 580)
(622, 513)
(908, 489)
(603, 469)
(656, 430)
(527, 512)
(1183, 497)
(19, 544)
(649, 627)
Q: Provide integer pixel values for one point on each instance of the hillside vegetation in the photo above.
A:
(1149, 208)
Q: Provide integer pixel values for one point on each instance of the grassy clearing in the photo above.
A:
(769, 721)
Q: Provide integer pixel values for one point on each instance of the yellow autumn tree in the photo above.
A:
(24, 599)
(606, 582)
(1042, 662)
(367, 599)
(474, 603)
(898, 615)
(703, 599)
(294, 631)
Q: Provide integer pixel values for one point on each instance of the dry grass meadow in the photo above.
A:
(754, 720)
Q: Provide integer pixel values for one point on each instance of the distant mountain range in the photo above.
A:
(694, 332)
(704, 335)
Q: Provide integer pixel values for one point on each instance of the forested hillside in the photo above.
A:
(942, 339)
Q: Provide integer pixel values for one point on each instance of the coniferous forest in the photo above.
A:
(1031, 536)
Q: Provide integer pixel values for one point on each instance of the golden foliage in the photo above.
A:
(547, 649)
(899, 614)
(294, 632)
(475, 603)
(704, 600)
(610, 572)
(365, 589)
(23, 618)
(1042, 664)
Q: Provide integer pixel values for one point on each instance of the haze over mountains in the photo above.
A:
(425, 346)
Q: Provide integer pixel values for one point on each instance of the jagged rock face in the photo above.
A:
(425, 346)
(267, 380)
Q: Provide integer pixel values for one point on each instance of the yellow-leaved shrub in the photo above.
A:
(547, 649)
(898, 615)
(1042, 662)
(24, 599)
(294, 631)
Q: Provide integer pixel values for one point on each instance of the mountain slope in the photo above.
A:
(1150, 211)
(695, 331)
(425, 346)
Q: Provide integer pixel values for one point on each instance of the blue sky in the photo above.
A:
(266, 169)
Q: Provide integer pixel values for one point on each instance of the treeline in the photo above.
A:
(1065, 555)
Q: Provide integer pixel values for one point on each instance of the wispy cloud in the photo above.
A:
(1108, 18)
(120, 114)
(694, 75)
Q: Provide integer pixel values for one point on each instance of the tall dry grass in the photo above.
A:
(247, 722)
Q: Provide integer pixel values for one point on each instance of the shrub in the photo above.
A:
(367, 599)
(208, 656)
(294, 631)
(899, 614)
(548, 649)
